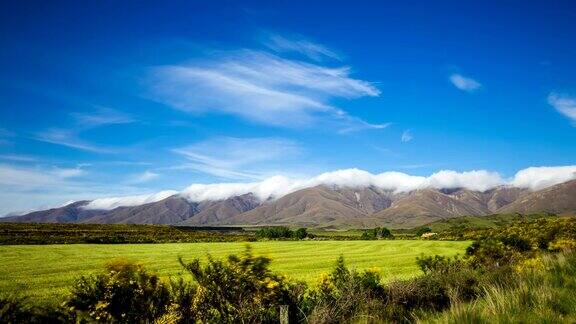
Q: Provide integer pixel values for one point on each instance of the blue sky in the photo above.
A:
(114, 98)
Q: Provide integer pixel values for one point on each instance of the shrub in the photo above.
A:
(345, 294)
(376, 233)
(517, 242)
(240, 289)
(492, 254)
(125, 293)
(544, 294)
(281, 232)
(565, 245)
(17, 310)
(300, 234)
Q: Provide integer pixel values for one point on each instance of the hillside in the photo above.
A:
(319, 206)
(325, 207)
(558, 199)
(479, 222)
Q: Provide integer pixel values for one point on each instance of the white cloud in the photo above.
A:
(36, 176)
(300, 45)
(19, 184)
(4, 135)
(67, 173)
(144, 177)
(480, 180)
(407, 136)
(37, 187)
(111, 203)
(464, 83)
(536, 178)
(102, 116)
(15, 176)
(233, 158)
(278, 186)
(18, 158)
(68, 138)
(262, 88)
(564, 104)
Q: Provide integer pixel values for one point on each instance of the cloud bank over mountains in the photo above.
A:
(533, 178)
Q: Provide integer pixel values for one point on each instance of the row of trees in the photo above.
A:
(377, 233)
(31, 233)
(282, 232)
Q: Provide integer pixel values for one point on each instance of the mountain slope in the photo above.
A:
(326, 207)
(318, 206)
(425, 206)
(171, 210)
(72, 213)
(216, 213)
(558, 199)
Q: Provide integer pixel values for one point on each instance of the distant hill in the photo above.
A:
(558, 199)
(478, 222)
(325, 207)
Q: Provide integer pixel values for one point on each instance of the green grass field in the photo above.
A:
(45, 272)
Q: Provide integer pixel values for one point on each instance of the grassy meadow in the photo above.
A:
(46, 272)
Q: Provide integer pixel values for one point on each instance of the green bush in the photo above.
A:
(346, 294)
(546, 295)
(376, 233)
(124, 293)
(240, 289)
(281, 232)
(15, 310)
(300, 234)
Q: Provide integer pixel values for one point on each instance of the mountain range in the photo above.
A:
(324, 207)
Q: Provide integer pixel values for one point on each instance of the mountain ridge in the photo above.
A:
(324, 207)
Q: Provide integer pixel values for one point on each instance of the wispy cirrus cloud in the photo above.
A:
(464, 83)
(35, 176)
(101, 116)
(84, 121)
(5, 135)
(68, 138)
(40, 186)
(406, 136)
(237, 158)
(300, 45)
(18, 158)
(263, 88)
(564, 104)
(144, 177)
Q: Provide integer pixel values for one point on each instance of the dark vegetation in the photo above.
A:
(523, 272)
(482, 222)
(282, 232)
(377, 233)
(35, 233)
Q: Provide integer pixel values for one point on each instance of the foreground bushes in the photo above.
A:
(124, 293)
(545, 293)
(511, 277)
(242, 289)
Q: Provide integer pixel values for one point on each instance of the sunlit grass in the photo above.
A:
(45, 272)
